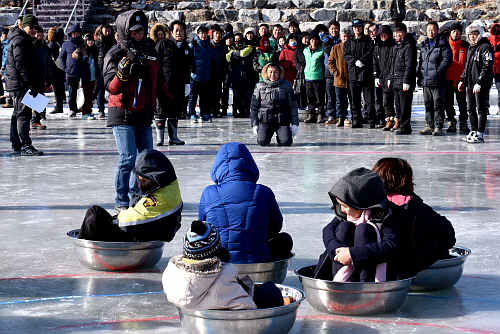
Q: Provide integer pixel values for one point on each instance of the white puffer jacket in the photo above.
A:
(205, 285)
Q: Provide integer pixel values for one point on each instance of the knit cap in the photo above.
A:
(247, 30)
(201, 241)
(29, 20)
(456, 25)
(361, 189)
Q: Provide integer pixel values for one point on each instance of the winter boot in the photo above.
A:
(452, 126)
(463, 127)
(389, 123)
(310, 119)
(396, 125)
(172, 132)
(160, 131)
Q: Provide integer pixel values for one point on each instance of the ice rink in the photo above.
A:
(43, 288)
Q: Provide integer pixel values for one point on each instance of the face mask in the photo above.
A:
(293, 43)
(496, 32)
(321, 34)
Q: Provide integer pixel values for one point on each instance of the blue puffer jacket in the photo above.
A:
(245, 213)
(434, 62)
(203, 56)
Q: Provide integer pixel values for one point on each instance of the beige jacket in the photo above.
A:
(205, 285)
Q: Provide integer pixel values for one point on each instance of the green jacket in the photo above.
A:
(315, 65)
(262, 59)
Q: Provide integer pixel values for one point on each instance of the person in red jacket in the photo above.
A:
(286, 60)
(495, 43)
(134, 80)
(459, 51)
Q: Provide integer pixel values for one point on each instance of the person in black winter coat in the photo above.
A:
(218, 72)
(71, 66)
(362, 242)
(105, 40)
(55, 37)
(358, 54)
(476, 80)
(174, 55)
(44, 75)
(426, 236)
(381, 70)
(299, 84)
(402, 76)
(435, 58)
(22, 75)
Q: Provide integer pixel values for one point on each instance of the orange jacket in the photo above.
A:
(459, 52)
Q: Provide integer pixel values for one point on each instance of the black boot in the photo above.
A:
(172, 132)
(160, 131)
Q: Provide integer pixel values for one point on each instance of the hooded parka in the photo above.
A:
(403, 63)
(382, 63)
(68, 64)
(21, 67)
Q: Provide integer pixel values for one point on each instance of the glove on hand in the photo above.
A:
(388, 83)
(124, 67)
(359, 64)
(33, 92)
(476, 89)
(377, 82)
(187, 89)
(255, 129)
(295, 130)
(461, 86)
(406, 87)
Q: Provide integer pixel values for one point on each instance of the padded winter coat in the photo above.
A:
(245, 213)
(273, 102)
(315, 64)
(68, 64)
(21, 61)
(286, 61)
(434, 62)
(495, 43)
(479, 64)
(203, 53)
(241, 64)
(382, 61)
(359, 49)
(404, 63)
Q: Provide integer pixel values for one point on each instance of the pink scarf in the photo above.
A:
(346, 271)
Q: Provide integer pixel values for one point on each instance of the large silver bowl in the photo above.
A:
(277, 320)
(111, 256)
(352, 298)
(265, 271)
(443, 273)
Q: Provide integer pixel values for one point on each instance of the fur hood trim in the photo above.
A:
(264, 71)
(209, 266)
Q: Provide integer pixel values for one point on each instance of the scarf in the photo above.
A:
(267, 49)
(345, 272)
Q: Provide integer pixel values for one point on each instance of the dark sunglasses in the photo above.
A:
(31, 26)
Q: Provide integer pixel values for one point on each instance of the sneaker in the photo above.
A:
(102, 115)
(331, 120)
(310, 119)
(205, 118)
(437, 132)
(30, 151)
(320, 119)
(72, 114)
(38, 126)
(476, 138)
(427, 131)
(194, 119)
(452, 126)
(56, 111)
(89, 117)
(470, 135)
(340, 122)
(119, 209)
(7, 105)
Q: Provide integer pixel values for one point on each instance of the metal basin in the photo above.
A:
(277, 320)
(110, 256)
(265, 271)
(352, 298)
(302, 115)
(443, 273)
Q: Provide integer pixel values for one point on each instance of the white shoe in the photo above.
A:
(470, 135)
(476, 139)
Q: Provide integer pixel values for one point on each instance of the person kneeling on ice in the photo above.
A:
(274, 108)
(202, 279)
(362, 241)
(153, 215)
(426, 236)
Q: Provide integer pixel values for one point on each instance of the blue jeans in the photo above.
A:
(341, 102)
(130, 141)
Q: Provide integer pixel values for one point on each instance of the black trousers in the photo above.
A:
(100, 91)
(450, 94)
(388, 104)
(98, 226)
(242, 96)
(379, 103)
(283, 134)
(73, 85)
(357, 88)
(476, 107)
(59, 94)
(20, 122)
(352, 236)
(402, 101)
(215, 96)
(331, 98)
(201, 90)
(315, 91)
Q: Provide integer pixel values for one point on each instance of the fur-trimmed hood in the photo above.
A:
(56, 34)
(154, 30)
(264, 71)
(208, 266)
(98, 33)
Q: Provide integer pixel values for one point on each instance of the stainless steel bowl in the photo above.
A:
(443, 273)
(265, 271)
(352, 298)
(277, 320)
(111, 256)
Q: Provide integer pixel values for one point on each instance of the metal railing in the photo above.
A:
(23, 10)
(73, 13)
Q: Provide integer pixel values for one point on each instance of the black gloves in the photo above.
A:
(124, 67)
(33, 92)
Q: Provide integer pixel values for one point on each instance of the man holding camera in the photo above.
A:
(133, 78)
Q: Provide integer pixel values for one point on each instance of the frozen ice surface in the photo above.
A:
(43, 288)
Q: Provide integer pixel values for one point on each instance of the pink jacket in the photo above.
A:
(205, 285)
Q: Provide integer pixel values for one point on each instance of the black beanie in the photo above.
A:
(456, 25)
(201, 241)
(400, 27)
(314, 34)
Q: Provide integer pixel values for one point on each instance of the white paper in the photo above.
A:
(37, 103)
